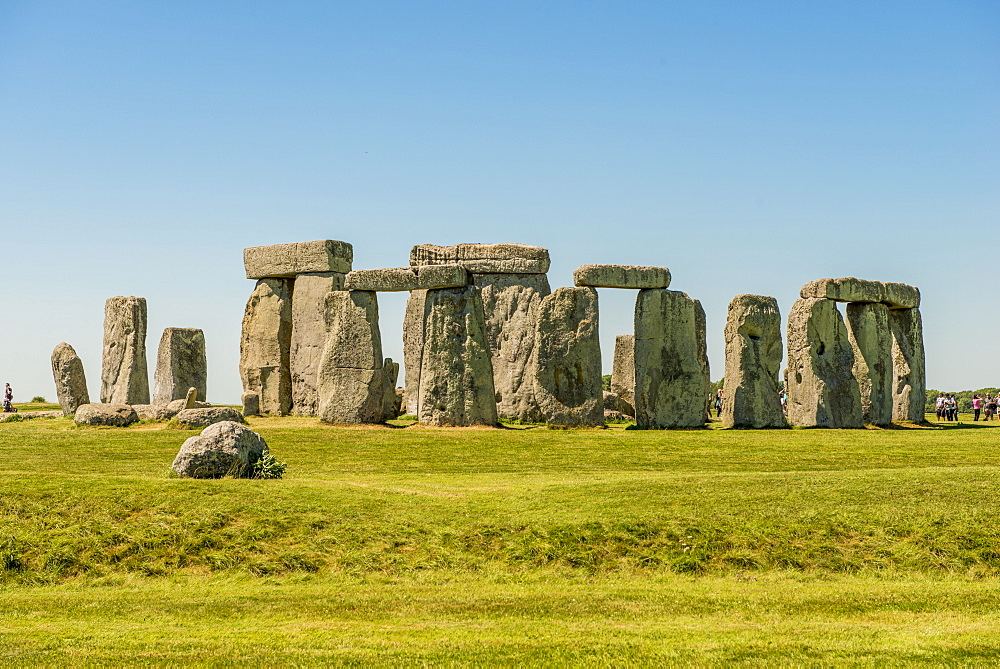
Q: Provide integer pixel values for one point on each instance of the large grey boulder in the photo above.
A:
(822, 390)
(621, 276)
(413, 349)
(71, 383)
(180, 364)
(205, 417)
(671, 367)
(309, 337)
(485, 258)
(353, 379)
(226, 448)
(623, 373)
(753, 360)
(288, 260)
(567, 359)
(908, 370)
(265, 345)
(456, 375)
(124, 376)
(868, 332)
(166, 411)
(116, 415)
(397, 279)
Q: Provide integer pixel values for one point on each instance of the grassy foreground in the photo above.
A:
(415, 545)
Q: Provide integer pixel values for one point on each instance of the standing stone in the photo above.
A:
(510, 304)
(390, 399)
(353, 380)
(701, 339)
(671, 366)
(868, 332)
(71, 383)
(567, 359)
(822, 390)
(909, 384)
(265, 344)
(124, 376)
(753, 358)
(191, 399)
(623, 373)
(456, 377)
(413, 349)
(180, 364)
(309, 337)
(251, 403)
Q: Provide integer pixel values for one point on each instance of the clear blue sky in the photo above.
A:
(748, 146)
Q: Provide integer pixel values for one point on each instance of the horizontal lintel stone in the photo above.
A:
(850, 289)
(621, 276)
(429, 277)
(484, 258)
(288, 260)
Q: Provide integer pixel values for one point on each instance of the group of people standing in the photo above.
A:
(946, 407)
(8, 399)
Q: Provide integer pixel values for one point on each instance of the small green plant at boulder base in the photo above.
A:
(268, 467)
(38, 399)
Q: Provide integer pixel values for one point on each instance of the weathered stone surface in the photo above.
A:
(413, 348)
(670, 361)
(221, 448)
(71, 383)
(908, 370)
(753, 360)
(251, 403)
(485, 258)
(868, 332)
(30, 415)
(399, 404)
(205, 417)
(567, 359)
(611, 401)
(124, 377)
(265, 345)
(287, 260)
(822, 390)
(510, 304)
(623, 372)
(456, 376)
(168, 410)
(621, 276)
(390, 398)
(180, 364)
(353, 380)
(191, 398)
(309, 337)
(701, 339)
(117, 415)
(428, 277)
(850, 289)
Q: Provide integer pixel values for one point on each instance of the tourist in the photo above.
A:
(718, 403)
(951, 408)
(977, 405)
(991, 407)
(939, 406)
(8, 394)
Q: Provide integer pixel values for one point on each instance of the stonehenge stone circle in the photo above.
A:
(868, 331)
(265, 344)
(623, 374)
(822, 390)
(124, 375)
(850, 289)
(180, 364)
(408, 278)
(566, 359)
(353, 379)
(288, 260)
(309, 337)
(456, 375)
(671, 368)
(484, 258)
(115, 415)
(71, 383)
(221, 448)
(909, 385)
(753, 360)
(621, 276)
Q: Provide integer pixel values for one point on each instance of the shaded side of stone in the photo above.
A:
(567, 359)
(180, 364)
(124, 374)
(868, 332)
(822, 390)
(71, 382)
(265, 345)
(456, 375)
(753, 360)
(908, 370)
(670, 364)
(309, 337)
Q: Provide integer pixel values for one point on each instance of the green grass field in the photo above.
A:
(392, 545)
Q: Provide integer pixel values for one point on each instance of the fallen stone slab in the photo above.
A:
(28, 415)
(71, 382)
(206, 417)
(221, 449)
(287, 260)
(399, 279)
(166, 411)
(485, 258)
(621, 276)
(117, 415)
